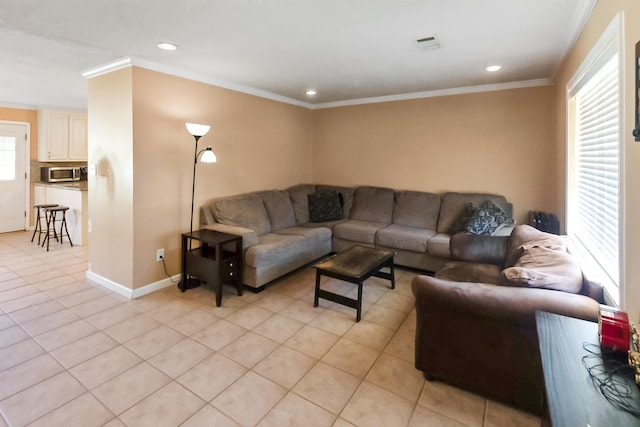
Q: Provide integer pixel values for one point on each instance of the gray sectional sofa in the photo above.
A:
(280, 235)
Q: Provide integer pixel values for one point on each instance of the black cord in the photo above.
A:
(601, 372)
(166, 272)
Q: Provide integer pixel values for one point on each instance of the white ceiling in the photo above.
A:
(345, 49)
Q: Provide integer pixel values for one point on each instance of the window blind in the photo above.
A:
(594, 216)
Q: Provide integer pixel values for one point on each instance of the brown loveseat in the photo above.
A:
(476, 318)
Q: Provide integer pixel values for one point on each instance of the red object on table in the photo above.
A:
(613, 329)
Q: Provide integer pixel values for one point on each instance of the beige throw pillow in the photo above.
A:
(540, 267)
(525, 237)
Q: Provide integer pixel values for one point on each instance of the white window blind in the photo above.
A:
(593, 218)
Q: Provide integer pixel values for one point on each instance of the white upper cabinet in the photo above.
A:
(62, 136)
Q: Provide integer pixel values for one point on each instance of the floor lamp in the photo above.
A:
(208, 156)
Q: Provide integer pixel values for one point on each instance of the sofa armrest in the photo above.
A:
(501, 302)
(483, 337)
(478, 248)
(249, 237)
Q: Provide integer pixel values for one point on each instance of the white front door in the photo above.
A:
(13, 176)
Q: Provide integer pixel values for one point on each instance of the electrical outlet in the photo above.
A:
(159, 255)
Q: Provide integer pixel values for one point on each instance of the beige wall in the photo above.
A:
(602, 15)
(21, 115)
(260, 144)
(497, 142)
(110, 127)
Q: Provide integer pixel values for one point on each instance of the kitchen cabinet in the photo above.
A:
(62, 136)
(75, 197)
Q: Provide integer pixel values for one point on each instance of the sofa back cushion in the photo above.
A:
(279, 208)
(416, 209)
(299, 199)
(246, 211)
(373, 204)
(346, 193)
(454, 205)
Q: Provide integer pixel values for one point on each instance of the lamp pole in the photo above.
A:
(208, 157)
(193, 186)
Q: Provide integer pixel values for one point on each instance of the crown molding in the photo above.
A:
(173, 71)
(130, 62)
(435, 93)
(109, 67)
(19, 106)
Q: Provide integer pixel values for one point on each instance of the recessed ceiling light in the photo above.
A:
(493, 68)
(311, 92)
(167, 46)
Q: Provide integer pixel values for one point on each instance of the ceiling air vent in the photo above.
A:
(428, 43)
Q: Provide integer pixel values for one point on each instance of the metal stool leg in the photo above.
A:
(41, 209)
(48, 216)
(51, 215)
(64, 223)
(38, 226)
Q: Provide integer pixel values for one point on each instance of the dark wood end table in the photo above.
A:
(353, 265)
(217, 259)
(571, 397)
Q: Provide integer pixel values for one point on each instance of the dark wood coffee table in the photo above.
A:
(354, 265)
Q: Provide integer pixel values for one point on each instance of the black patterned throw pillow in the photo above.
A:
(487, 219)
(324, 206)
(463, 219)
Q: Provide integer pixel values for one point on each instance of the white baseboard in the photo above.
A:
(155, 286)
(127, 292)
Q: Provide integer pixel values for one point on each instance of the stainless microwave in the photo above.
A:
(60, 174)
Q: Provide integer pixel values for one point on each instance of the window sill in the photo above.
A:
(594, 273)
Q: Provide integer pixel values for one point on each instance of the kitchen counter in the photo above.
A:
(77, 185)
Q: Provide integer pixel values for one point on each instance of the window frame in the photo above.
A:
(610, 43)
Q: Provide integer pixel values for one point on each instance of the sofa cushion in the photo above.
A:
(358, 231)
(525, 236)
(324, 206)
(279, 208)
(275, 249)
(317, 234)
(438, 245)
(416, 209)
(246, 211)
(373, 204)
(345, 192)
(405, 238)
(453, 204)
(540, 267)
(488, 219)
(479, 249)
(298, 195)
(462, 271)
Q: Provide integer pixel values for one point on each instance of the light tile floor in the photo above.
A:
(73, 353)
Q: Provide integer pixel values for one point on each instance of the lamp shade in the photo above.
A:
(196, 129)
(208, 156)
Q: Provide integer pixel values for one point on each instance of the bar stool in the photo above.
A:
(38, 228)
(51, 215)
